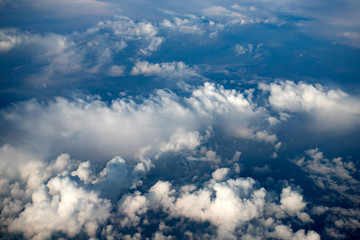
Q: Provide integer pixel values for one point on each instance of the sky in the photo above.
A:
(162, 120)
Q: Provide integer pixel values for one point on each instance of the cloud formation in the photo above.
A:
(330, 108)
(162, 122)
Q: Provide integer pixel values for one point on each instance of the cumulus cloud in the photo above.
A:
(116, 71)
(331, 108)
(82, 55)
(49, 44)
(177, 70)
(220, 174)
(239, 15)
(336, 174)
(61, 206)
(183, 25)
(130, 30)
(93, 129)
(131, 207)
(341, 223)
(42, 199)
(232, 205)
(181, 140)
(249, 49)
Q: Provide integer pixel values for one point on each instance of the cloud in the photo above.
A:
(232, 205)
(285, 232)
(240, 15)
(336, 174)
(130, 30)
(131, 207)
(167, 70)
(48, 45)
(61, 206)
(332, 109)
(249, 49)
(183, 25)
(93, 129)
(181, 140)
(220, 174)
(60, 59)
(41, 199)
(341, 223)
(116, 71)
(350, 38)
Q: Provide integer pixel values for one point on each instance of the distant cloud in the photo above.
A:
(169, 70)
(336, 174)
(351, 39)
(185, 25)
(249, 49)
(332, 109)
(116, 71)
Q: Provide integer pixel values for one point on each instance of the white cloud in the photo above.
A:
(238, 15)
(220, 174)
(350, 38)
(41, 199)
(185, 25)
(232, 206)
(116, 71)
(292, 203)
(249, 49)
(48, 45)
(333, 109)
(178, 70)
(181, 140)
(61, 206)
(74, 57)
(336, 174)
(226, 211)
(339, 221)
(286, 233)
(130, 207)
(130, 30)
(95, 130)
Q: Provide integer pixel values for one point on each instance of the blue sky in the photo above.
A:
(180, 120)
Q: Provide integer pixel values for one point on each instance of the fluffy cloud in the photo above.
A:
(332, 109)
(92, 129)
(131, 207)
(82, 55)
(249, 49)
(116, 71)
(49, 44)
(239, 15)
(42, 199)
(61, 206)
(177, 70)
(335, 174)
(185, 25)
(232, 205)
(341, 223)
(130, 30)
(65, 196)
